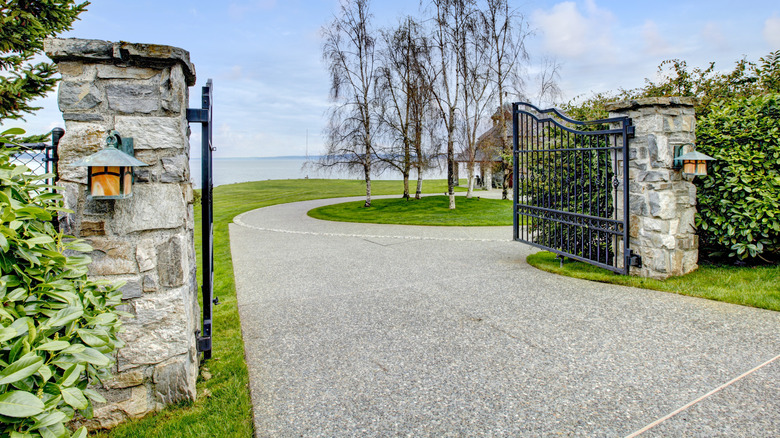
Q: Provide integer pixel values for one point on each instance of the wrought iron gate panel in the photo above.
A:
(566, 174)
(203, 116)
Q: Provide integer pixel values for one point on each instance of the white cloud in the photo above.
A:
(655, 43)
(772, 31)
(712, 34)
(569, 33)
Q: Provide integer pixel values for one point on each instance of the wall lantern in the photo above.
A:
(110, 171)
(693, 163)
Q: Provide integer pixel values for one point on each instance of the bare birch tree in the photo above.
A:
(349, 51)
(507, 31)
(448, 26)
(403, 99)
(474, 69)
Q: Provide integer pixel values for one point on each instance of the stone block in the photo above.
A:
(685, 242)
(175, 380)
(111, 256)
(152, 207)
(150, 283)
(654, 176)
(657, 225)
(75, 96)
(132, 98)
(173, 90)
(108, 71)
(70, 69)
(83, 117)
(172, 262)
(665, 241)
(92, 228)
(690, 261)
(637, 205)
(187, 192)
(159, 331)
(79, 141)
(634, 225)
(146, 255)
(676, 263)
(126, 379)
(144, 175)
(61, 49)
(131, 289)
(659, 260)
(98, 207)
(154, 132)
(175, 169)
(662, 204)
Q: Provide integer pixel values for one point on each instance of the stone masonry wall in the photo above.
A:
(141, 91)
(662, 203)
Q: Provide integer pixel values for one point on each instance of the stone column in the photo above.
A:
(662, 203)
(147, 241)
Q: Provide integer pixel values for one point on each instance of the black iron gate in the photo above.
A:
(567, 178)
(203, 115)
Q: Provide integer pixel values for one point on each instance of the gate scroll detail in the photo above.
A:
(570, 176)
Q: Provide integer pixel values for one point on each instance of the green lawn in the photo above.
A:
(749, 286)
(223, 408)
(428, 210)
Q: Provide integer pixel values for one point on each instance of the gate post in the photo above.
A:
(140, 90)
(662, 204)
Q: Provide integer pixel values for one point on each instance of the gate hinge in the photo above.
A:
(630, 130)
(197, 115)
(204, 343)
(634, 259)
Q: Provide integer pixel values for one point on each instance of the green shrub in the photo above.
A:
(57, 328)
(739, 200)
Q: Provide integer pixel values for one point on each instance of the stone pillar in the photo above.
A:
(662, 203)
(147, 240)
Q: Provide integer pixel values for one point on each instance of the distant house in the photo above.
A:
(488, 150)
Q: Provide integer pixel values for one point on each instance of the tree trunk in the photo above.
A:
(406, 184)
(507, 175)
(470, 191)
(451, 173)
(418, 193)
(488, 181)
(367, 170)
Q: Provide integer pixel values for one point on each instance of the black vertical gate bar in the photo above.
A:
(207, 217)
(203, 116)
(515, 172)
(627, 130)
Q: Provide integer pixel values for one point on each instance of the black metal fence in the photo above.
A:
(40, 158)
(566, 197)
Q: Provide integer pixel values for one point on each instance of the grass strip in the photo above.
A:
(757, 286)
(223, 407)
(428, 210)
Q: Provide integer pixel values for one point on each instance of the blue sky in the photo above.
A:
(271, 86)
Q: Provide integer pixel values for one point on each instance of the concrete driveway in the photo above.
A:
(383, 330)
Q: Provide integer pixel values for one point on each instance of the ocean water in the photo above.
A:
(236, 170)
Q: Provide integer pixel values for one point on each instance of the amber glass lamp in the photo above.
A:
(110, 170)
(693, 163)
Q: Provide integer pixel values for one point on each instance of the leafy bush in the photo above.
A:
(57, 328)
(739, 200)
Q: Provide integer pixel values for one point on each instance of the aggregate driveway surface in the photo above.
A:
(383, 330)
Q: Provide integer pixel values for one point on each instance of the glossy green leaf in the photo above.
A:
(25, 367)
(20, 404)
(74, 397)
